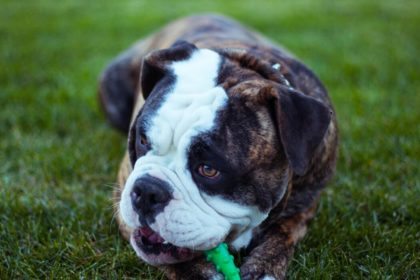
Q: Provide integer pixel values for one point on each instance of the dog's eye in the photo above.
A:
(143, 139)
(208, 171)
(142, 145)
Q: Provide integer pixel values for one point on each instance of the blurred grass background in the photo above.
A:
(58, 157)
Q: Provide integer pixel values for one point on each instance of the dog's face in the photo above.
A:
(213, 149)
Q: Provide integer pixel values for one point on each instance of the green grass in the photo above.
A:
(58, 157)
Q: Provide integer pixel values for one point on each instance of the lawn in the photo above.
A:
(59, 157)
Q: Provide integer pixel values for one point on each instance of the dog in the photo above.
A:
(230, 139)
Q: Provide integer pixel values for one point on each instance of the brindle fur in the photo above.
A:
(273, 241)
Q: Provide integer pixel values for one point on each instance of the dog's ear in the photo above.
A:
(302, 122)
(157, 64)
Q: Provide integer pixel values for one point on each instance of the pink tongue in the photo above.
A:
(155, 238)
(146, 231)
(151, 236)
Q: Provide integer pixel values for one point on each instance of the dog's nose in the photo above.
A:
(149, 196)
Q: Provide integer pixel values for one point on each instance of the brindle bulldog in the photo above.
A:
(230, 139)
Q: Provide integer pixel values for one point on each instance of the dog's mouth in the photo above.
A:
(153, 249)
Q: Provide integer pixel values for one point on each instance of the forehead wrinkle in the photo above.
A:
(192, 103)
(199, 115)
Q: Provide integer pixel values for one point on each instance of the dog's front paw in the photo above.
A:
(197, 269)
(258, 273)
(267, 277)
(251, 276)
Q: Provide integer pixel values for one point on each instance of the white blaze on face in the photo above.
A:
(191, 219)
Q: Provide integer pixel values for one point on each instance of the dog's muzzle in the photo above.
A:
(149, 196)
(170, 221)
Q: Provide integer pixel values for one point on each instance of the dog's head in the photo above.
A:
(213, 150)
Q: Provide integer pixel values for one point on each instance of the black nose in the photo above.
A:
(149, 196)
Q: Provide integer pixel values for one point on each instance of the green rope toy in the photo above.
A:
(223, 261)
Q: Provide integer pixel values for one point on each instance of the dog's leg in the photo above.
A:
(197, 269)
(275, 247)
(118, 85)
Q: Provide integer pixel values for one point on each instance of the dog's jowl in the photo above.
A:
(230, 139)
